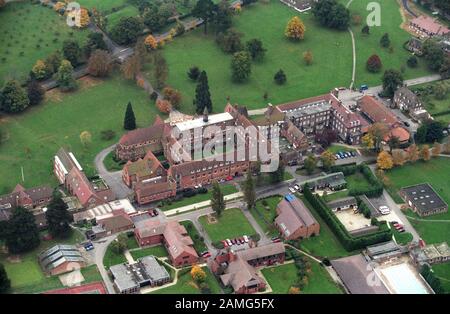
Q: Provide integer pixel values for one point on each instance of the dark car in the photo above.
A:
(406, 123)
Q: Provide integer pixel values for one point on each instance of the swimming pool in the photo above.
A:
(404, 280)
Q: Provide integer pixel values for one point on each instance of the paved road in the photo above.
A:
(100, 247)
(353, 51)
(113, 179)
(407, 8)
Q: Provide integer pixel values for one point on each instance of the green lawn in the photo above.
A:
(434, 105)
(230, 225)
(265, 215)
(111, 164)
(111, 258)
(24, 27)
(357, 180)
(186, 285)
(325, 244)
(199, 243)
(32, 138)
(104, 5)
(434, 172)
(132, 243)
(226, 189)
(335, 148)
(281, 278)
(26, 276)
(158, 251)
(402, 238)
(442, 271)
(369, 45)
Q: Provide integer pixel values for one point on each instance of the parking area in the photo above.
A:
(352, 221)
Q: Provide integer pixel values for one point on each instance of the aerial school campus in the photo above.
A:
(224, 147)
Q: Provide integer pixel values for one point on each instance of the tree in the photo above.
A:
(440, 91)
(161, 70)
(173, 96)
(99, 64)
(35, 93)
(277, 175)
(84, 18)
(153, 18)
(40, 70)
(241, 66)
(331, 14)
(22, 234)
(127, 30)
(15, 98)
(308, 57)
(164, 105)
(446, 146)
(5, 283)
(398, 157)
(384, 161)
(392, 79)
(413, 153)
(2, 3)
(425, 153)
(430, 132)
(180, 29)
(230, 41)
(365, 30)
(58, 217)
(198, 274)
(412, 62)
(53, 62)
(374, 64)
(202, 98)
(378, 132)
(150, 42)
(295, 29)
(294, 290)
(194, 73)
(326, 137)
(280, 77)
(368, 141)
(118, 246)
(256, 49)
(204, 9)
(393, 142)
(433, 54)
(249, 191)
(444, 71)
(72, 52)
(437, 149)
(131, 67)
(85, 138)
(327, 159)
(217, 200)
(222, 19)
(385, 41)
(356, 19)
(129, 122)
(95, 42)
(64, 77)
(310, 164)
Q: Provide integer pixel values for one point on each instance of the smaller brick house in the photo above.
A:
(294, 220)
(115, 222)
(143, 169)
(296, 137)
(154, 190)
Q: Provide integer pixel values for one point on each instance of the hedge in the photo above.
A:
(349, 242)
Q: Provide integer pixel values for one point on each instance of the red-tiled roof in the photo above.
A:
(376, 111)
(430, 25)
(142, 135)
(298, 103)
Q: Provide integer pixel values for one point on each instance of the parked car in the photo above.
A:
(245, 239)
(225, 243)
(291, 189)
(406, 123)
(384, 210)
(296, 187)
(88, 246)
(229, 242)
(229, 178)
(276, 239)
(353, 154)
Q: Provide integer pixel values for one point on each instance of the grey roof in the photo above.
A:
(358, 276)
(145, 271)
(423, 197)
(308, 109)
(382, 248)
(58, 255)
(5, 214)
(262, 251)
(332, 180)
(64, 247)
(346, 201)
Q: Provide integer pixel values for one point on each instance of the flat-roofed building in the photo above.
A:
(423, 199)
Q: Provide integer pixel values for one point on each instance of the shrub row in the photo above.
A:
(349, 242)
(375, 187)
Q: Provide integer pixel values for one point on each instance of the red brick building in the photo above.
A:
(143, 169)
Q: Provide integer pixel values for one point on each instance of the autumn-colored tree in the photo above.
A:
(59, 6)
(374, 64)
(295, 29)
(40, 70)
(384, 160)
(425, 153)
(100, 63)
(327, 159)
(437, 149)
(413, 153)
(131, 67)
(164, 105)
(198, 274)
(84, 18)
(308, 57)
(378, 131)
(2, 3)
(446, 146)
(398, 157)
(294, 290)
(173, 96)
(85, 138)
(368, 141)
(356, 19)
(150, 42)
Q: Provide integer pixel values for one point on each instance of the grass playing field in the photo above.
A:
(332, 52)
(29, 33)
(230, 225)
(32, 138)
(104, 5)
